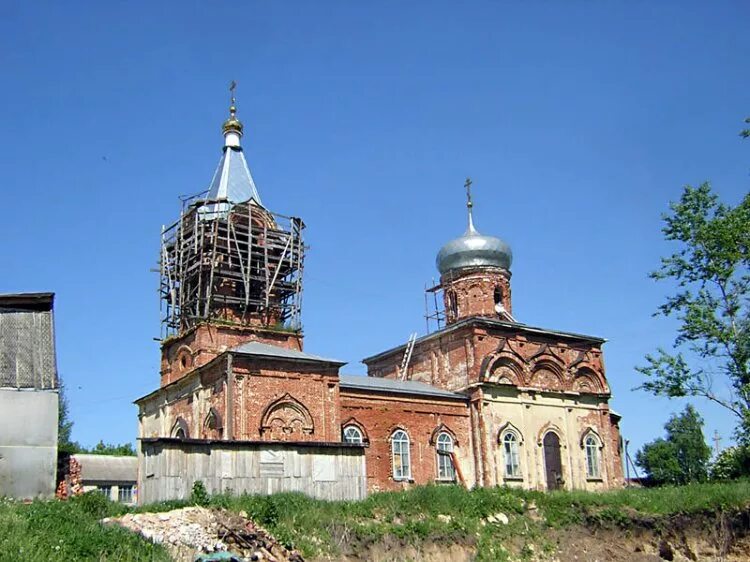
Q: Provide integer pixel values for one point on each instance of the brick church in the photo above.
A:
(481, 401)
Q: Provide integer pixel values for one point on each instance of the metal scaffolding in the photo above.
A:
(231, 263)
(434, 309)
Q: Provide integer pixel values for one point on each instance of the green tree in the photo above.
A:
(732, 462)
(711, 305)
(65, 443)
(102, 448)
(659, 460)
(682, 456)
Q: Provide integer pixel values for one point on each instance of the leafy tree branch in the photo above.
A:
(711, 303)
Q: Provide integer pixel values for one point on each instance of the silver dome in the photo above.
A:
(474, 250)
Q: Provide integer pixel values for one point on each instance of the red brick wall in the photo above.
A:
(285, 401)
(182, 354)
(380, 415)
(193, 403)
(616, 459)
(182, 408)
(473, 293)
(474, 353)
(443, 361)
(268, 399)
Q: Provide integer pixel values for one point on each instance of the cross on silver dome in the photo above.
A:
(473, 250)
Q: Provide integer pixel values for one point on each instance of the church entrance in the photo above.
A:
(552, 461)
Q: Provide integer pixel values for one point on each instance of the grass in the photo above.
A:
(573, 507)
(438, 514)
(452, 514)
(63, 531)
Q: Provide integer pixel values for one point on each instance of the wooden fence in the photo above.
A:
(167, 468)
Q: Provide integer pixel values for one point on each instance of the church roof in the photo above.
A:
(360, 382)
(250, 349)
(232, 180)
(491, 323)
(265, 350)
(107, 468)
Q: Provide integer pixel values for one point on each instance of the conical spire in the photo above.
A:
(232, 180)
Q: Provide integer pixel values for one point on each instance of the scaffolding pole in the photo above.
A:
(236, 263)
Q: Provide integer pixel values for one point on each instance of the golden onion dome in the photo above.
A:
(232, 125)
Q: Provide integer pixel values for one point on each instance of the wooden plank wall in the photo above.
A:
(168, 470)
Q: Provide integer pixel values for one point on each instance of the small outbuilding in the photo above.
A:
(113, 476)
(28, 396)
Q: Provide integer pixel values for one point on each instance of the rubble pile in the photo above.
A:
(242, 535)
(191, 531)
(70, 483)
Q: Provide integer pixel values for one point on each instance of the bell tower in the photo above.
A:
(230, 269)
(475, 273)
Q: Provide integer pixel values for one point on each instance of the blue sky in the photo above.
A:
(578, 122)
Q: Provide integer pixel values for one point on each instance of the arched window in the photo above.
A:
(180, 429)
(510, 452)
(444, 448)
(212, 426)
(498, 297)
(352, 434)
(452, 304)
(593, 468)
(400, 454)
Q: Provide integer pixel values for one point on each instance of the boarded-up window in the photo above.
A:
(225, 459)
(271, 463)
(148, 462)
(324, 468)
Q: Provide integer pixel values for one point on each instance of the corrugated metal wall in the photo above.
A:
(27, 350)
(167, 470)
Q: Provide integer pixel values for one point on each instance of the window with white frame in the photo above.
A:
(106, 491)
(352, 434)
(444, 449)
(593, 464)
(400, 454)
(510, 453)
(125, 494)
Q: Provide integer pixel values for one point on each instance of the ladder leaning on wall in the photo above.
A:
(407, 356)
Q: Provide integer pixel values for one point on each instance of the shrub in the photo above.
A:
(93, 503)
(733, 462)
(199, 496)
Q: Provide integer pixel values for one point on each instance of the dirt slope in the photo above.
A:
(719, 537)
